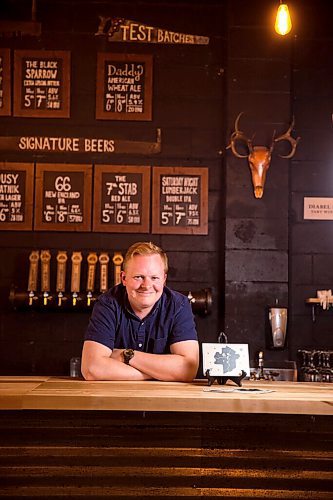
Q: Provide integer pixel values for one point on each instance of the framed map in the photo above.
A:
(225, 360)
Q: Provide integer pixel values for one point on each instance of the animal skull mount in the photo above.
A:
(259, 157)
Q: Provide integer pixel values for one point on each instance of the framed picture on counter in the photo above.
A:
(225, 360)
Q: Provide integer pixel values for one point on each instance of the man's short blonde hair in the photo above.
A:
(145, 248)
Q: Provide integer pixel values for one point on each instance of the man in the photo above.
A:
(140, 329)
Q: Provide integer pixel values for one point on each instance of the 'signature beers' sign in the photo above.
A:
(47, 144)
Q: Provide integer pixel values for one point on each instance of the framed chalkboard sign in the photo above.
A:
(63, 197)
(180, 200)
(5, 87)
(16, 196)
(121, 198)
(124, 86)
(42, 83)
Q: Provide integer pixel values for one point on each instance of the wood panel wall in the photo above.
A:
(153, 455)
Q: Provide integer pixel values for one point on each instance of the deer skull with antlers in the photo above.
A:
(259, 157)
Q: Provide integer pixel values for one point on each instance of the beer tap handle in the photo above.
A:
(61, 275)
(117, 260)
(76, 275)
(104, 262)
(33, 274)
(92, 261)
(45, 257)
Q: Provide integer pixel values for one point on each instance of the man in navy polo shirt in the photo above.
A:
(141, 329)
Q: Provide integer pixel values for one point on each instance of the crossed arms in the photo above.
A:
(101, 363)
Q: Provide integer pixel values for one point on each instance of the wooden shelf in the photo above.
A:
(314, 301)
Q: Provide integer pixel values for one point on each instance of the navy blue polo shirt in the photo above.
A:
(114, 324)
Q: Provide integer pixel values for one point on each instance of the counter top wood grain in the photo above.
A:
(61, 393)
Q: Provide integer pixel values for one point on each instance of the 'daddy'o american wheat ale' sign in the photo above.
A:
(124, 86)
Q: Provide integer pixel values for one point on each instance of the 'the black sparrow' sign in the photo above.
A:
(42, 83)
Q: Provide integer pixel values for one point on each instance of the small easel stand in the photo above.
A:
(223, 380)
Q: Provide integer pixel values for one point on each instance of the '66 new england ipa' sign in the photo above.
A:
(42, 83)
(63, 197)
(180, 200)
(124, 86)
(121, 198)
(16, 196)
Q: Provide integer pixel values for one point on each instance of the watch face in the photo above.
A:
(128, 355)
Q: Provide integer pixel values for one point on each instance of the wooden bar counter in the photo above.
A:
(54, 393)
(61, 437)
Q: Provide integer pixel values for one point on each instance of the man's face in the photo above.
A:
(144, 280)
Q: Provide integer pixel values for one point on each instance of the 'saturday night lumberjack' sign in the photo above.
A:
(123, 30)
(79, 145)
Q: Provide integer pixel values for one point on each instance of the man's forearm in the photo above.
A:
(165, 367)
(112, 369)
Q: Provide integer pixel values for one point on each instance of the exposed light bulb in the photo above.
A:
(283, 21)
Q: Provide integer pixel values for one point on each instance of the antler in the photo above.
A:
(287, 137)
(238, 135)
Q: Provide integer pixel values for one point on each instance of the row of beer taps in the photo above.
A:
(42, 259)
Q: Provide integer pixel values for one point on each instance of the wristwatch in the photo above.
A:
(128, 355)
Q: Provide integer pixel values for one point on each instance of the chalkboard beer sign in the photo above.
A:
(16, 196)
(121, 198)
(42, 83)
(180, 200)
(124, 86)
(5, 94)
(63, 197)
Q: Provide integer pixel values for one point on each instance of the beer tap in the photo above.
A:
(33, 275)
(103, 261)
(76, 276)
(61, 275)
(45, 257)
(117, 260)
(92, 261)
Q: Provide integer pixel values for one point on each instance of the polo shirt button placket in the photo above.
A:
(141, 336)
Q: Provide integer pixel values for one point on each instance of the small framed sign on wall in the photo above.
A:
(42, 83)
(121, 198)
(124, 86)
(5, 79)
(63, 197)
(16, 196)
(180, 200)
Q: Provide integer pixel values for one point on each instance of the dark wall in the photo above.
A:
(311, 242)
(188, 101)
(256, 251)
(271, 252)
